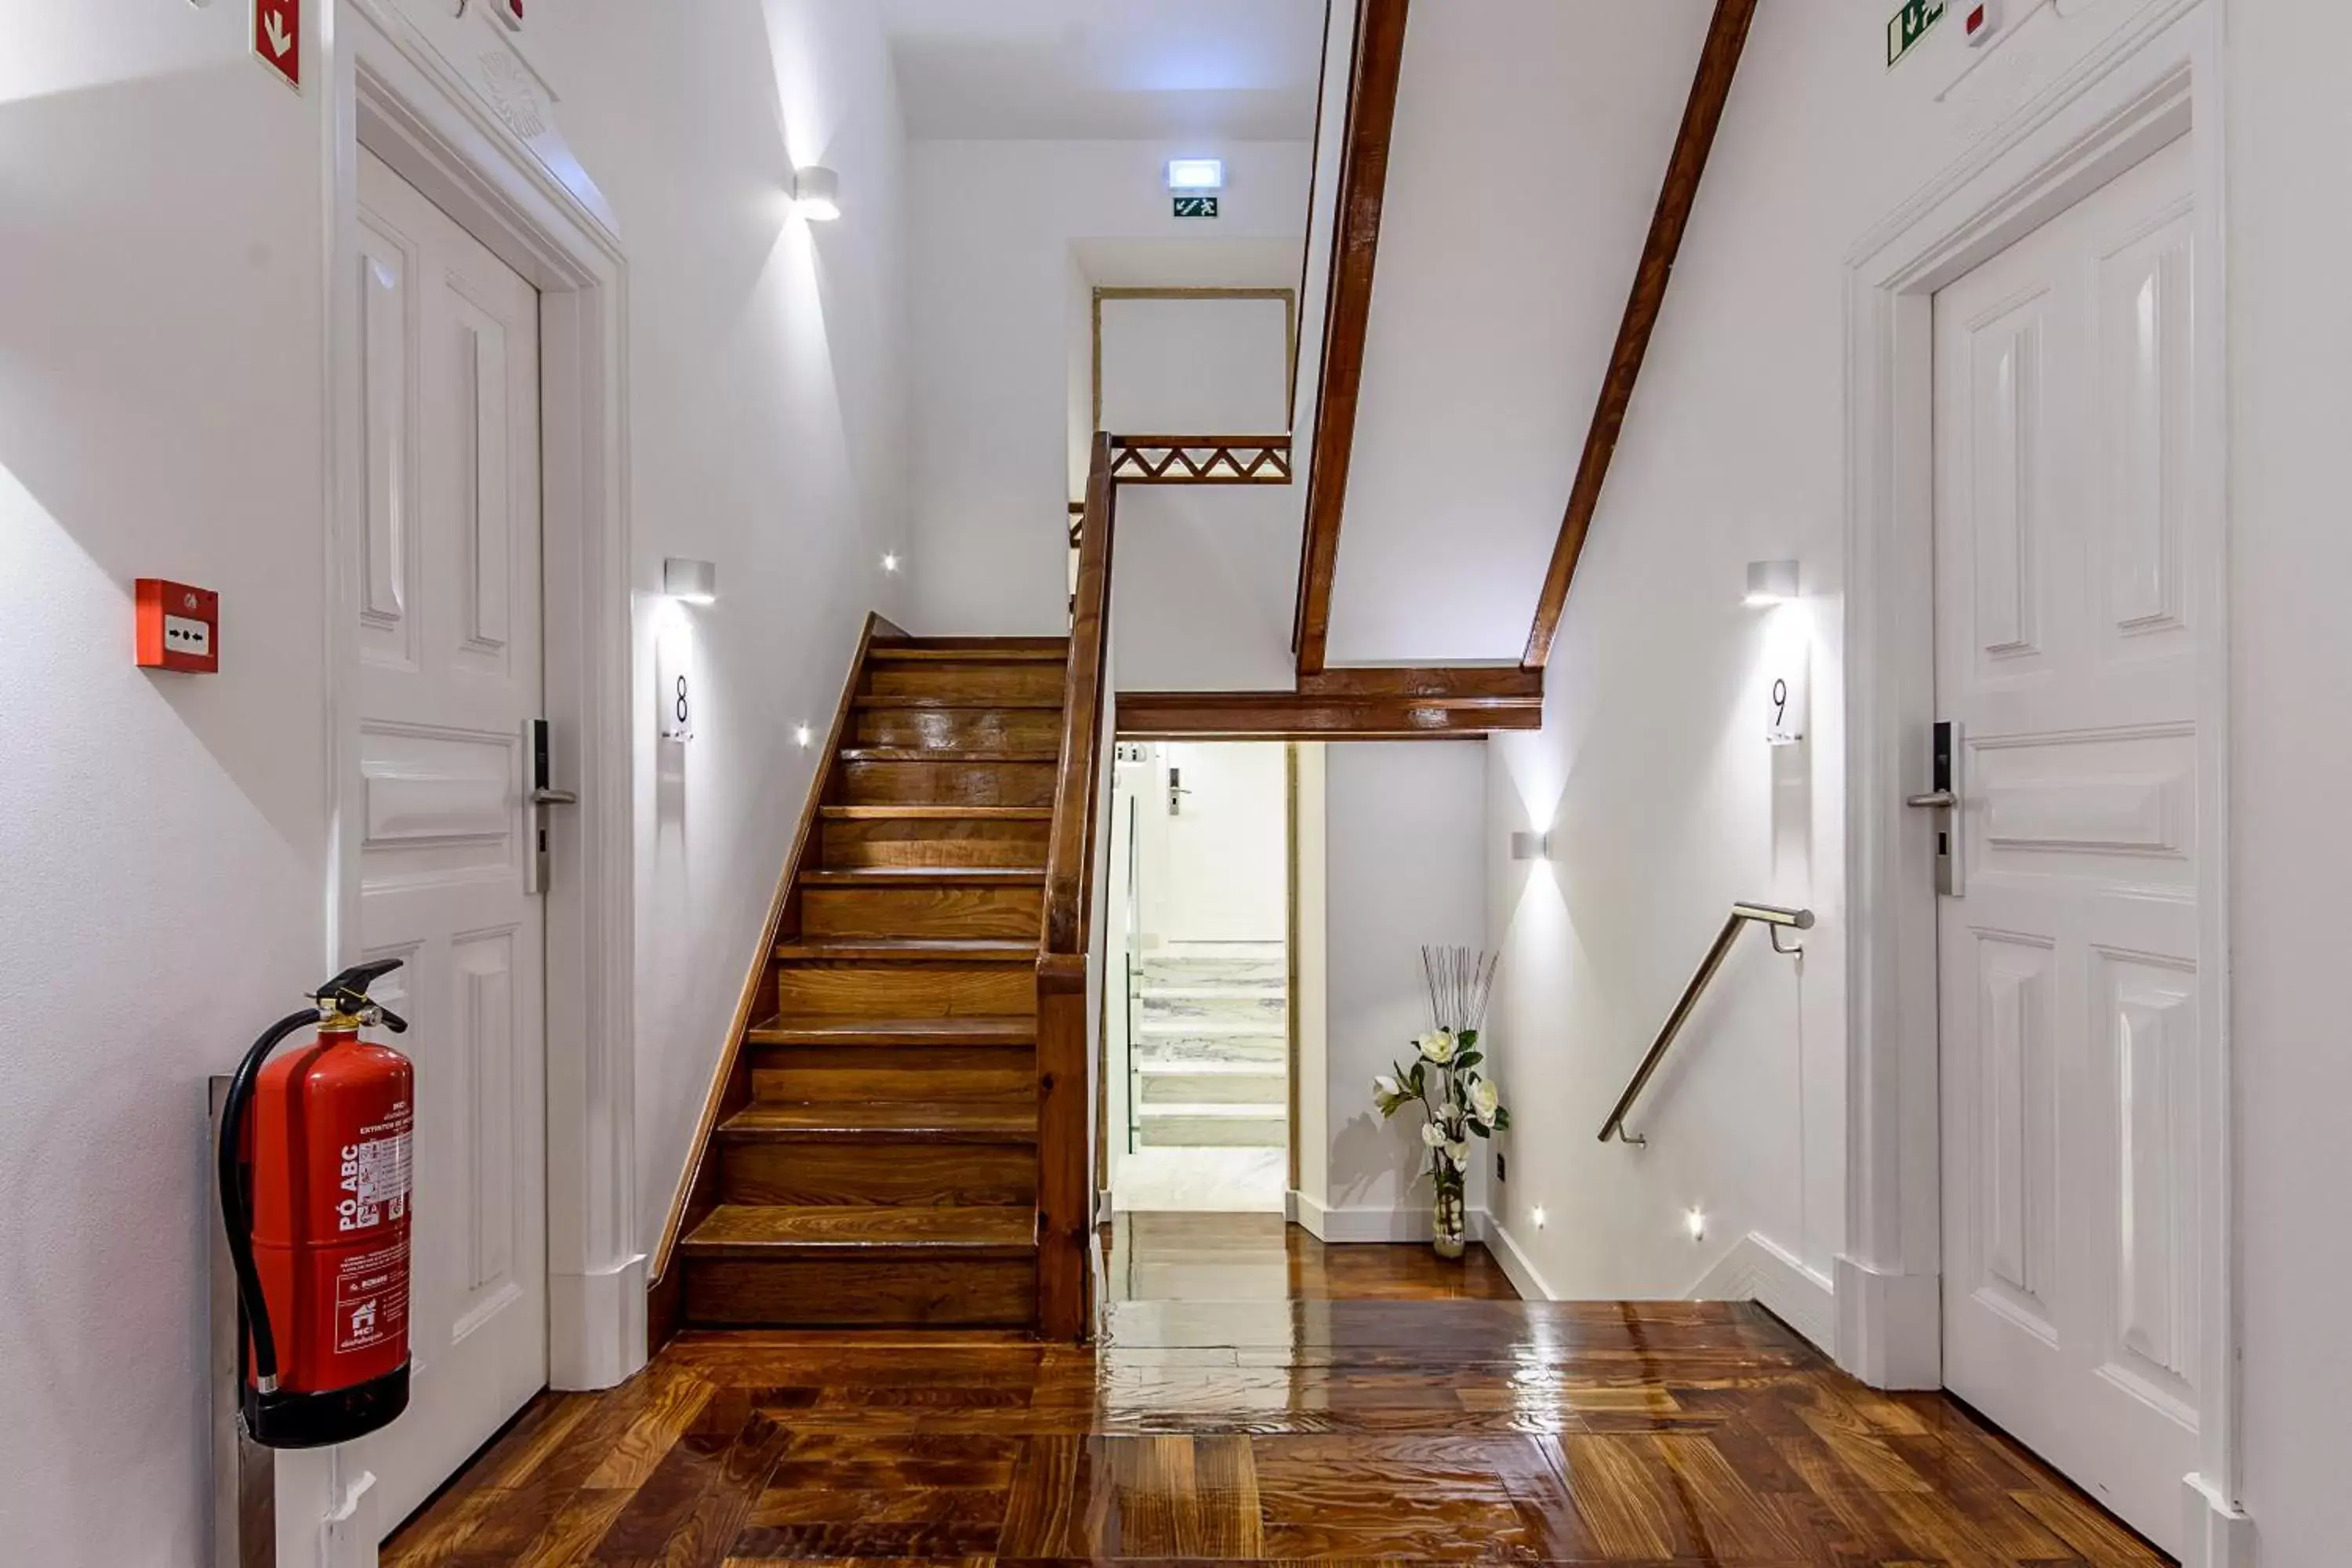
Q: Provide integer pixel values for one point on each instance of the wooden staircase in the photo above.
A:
(871, 1155)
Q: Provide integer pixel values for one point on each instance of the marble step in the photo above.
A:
(1212, 1083)
(1268, 1008)
(1197, 1041)
(1219, 1126)
(1160, 969)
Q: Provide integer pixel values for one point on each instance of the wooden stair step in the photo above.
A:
(899, 700)
(903, 950)
(857, 1033)
(940, 813)
(935, 756)
(977, 1121)
(1007, 651)
(764, 1231)
(1060, 646)
(924, 877)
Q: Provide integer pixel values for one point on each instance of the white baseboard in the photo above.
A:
(1517, 1266)
(1326, 1223)
(1890, 1327)
(596, 1326)
(2218, 1532)
(1758, 1269)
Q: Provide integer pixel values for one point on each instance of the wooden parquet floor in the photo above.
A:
(1369, 1428)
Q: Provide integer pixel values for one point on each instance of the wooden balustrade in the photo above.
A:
(1064, 1181)
(1200, 459)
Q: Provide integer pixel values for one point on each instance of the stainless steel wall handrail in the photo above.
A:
(1742, 915)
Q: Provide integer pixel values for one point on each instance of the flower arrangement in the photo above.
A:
(1446, 1083)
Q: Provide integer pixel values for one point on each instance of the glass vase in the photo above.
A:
(1445, 1222)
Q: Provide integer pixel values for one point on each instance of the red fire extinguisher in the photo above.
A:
(314, 1180)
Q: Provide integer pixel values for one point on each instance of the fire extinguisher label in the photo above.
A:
(371, 1299)
(374, 1182)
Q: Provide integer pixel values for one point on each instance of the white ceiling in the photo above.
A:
(1108, 70)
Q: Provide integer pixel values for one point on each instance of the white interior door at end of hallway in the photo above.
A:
(2066, 650)
(450, 675)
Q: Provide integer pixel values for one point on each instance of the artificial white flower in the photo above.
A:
(1431, 1135)
(1438, 1048)
(1484, 1100)
(1386, 1087)
(1459, 1155)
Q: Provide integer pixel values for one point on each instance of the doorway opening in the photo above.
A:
(1200, 1026)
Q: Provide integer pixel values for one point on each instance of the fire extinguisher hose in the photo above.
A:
(236, 1202)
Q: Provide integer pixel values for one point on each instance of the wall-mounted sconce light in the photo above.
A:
(803, 735)
(816, 194)
(1531, 846)
(690, 582)
(891, 562)
(1771, 582)
(1695, 1223)
(1537, 1214)
(1196, 176)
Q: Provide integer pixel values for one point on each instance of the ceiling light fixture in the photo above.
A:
(816, 194)
(1196, 176)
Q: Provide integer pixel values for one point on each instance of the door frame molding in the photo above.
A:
(2157, 80)
(454, 110)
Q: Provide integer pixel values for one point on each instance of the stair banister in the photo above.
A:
(1065, 1183)
(1742, 916)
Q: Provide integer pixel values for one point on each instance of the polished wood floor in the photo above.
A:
(1386, 1409)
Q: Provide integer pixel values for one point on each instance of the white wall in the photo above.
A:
(2291, 555)
(995, 229)
(164, 849)
(770, 420)
(1404, 869)
(1663, 802)
(1206, 577)
(1217, 871)
(1530, 139)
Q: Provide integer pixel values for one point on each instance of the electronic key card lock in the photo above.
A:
(1950, 803)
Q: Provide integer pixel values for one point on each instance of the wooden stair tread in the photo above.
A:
(924, 876)
(969, 704)
(905, 950)
(967, 643)
(759, 1230)
(974, 1122)
(937, 756)
(943, 813)
(978, 1030)
(974, 653)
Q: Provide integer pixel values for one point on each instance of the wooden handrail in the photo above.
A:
(1065, 1212)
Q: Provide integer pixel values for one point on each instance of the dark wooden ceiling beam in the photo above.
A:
(1348, 312)
(1718, 64)
(1428, 704)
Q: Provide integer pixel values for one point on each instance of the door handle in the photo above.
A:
(539, 858)
(1950, 743)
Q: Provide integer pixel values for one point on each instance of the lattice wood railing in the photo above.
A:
(1200, 459)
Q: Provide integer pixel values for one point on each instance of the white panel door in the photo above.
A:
(449, 636)
(2066, 647)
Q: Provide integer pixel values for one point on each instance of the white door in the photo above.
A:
(449, 674)
(2066, 650)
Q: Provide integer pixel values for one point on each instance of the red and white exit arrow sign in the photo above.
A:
(278, 39)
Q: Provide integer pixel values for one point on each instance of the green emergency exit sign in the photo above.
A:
(1908, 25)
(1196, 206)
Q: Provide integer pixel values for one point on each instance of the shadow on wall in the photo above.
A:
(1377, 1160)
